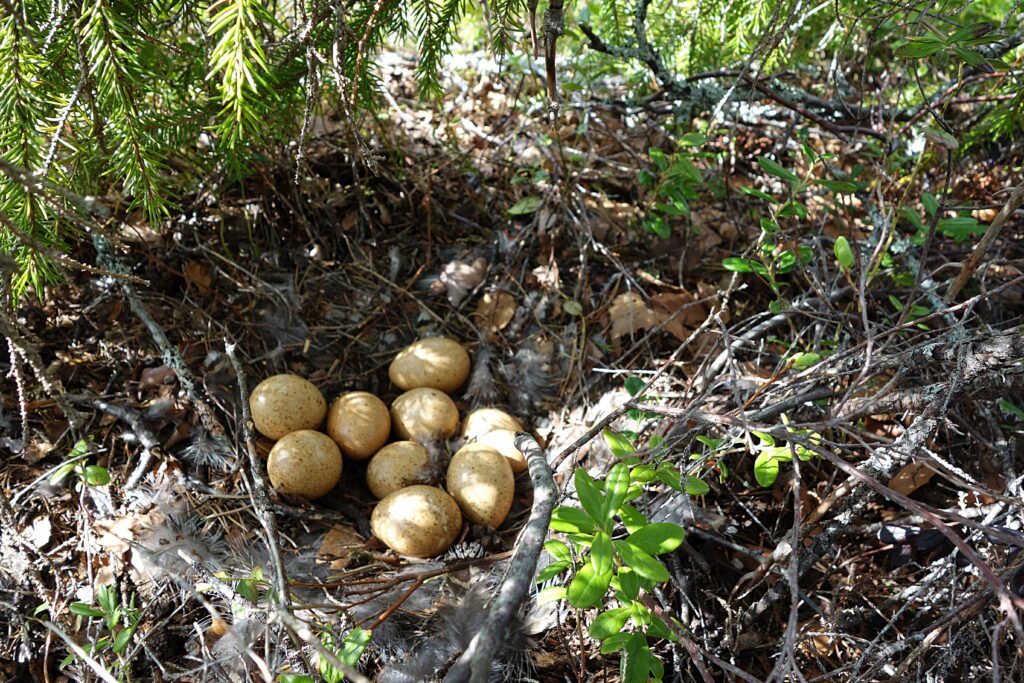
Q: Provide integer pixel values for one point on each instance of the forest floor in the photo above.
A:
(523, 241)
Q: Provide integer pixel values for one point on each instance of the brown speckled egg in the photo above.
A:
(419, 521)
(480, 480)
(396, 466)
(436, 362)
(359, 423)
(483, 420)
(282, 404)
(504, 441)
(304, 463)
(424, 415)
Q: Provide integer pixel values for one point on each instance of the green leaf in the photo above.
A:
(247, 589)
(777, 170)
(525, 206)
(766, 469)
(802, 361)
(1012, 409)
(558, 550)
(670, 477)
(658, 538)
(607, 624)
(659, 629)
(614, 643)
(844, 254)
(354, 645)
(713, 444)
(121, 640)
(764, 437)
(793, 209)
(618, 444)
(632, 518)
(571, 520)
(737, 265)
(695, 486)
(552, 570)
(931, 204)
(551, 594)
(634, 385)
(590, 498)
(744, 265)
(692, 139)
(294, 678)
(919, 47)
(754, 192)
(616, 486)
(573, 307)
(61, 472)
(96, 475)
(940, 137)
(641, 562)
(84, 609)
(839, 186)
(970, 57)
(601, 554)
(636, 667)
(587, 588)
(629, 583)
(659, 227)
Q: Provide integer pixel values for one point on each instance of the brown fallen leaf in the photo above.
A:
(338, 544)
(912, 477)
(37, 450)
(678, 312)
(629, 315)
(495, 312)
(199, 275)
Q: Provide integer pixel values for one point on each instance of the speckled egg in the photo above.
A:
(359, 423)
(304, 463)
(424, 415)
(282, 404)
(483, 420)
(481, 482)
(504, 441)
(396, 466)
(435, 362)
(419, 521)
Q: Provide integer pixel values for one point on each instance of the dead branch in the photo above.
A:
(994, 228)
(475, 663)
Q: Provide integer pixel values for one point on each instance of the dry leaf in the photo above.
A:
(37, 450)
(199, 275)
(678, 312)
(547, 276)
(460, 278)
(117, 535)
(350, 220)
(629, 315)
(338, 544)
(495, 311)
(911, 477)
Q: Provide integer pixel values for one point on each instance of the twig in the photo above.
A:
(632, 403)
(98, 668)
(260, 501)
(974, 260)
(475, 663)
(305, 634)
(169, 352)
(150, 445)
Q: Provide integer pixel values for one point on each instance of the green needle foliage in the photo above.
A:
(134, 102)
